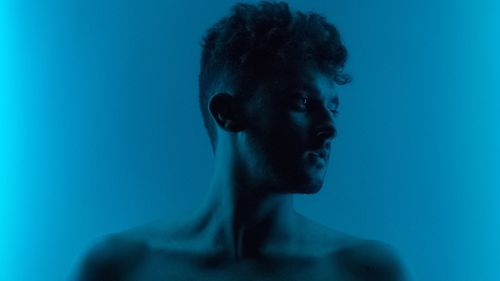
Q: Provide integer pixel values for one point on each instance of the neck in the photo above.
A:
(241, 218)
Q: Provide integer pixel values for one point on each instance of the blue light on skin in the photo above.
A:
(248, 223)
(272, 153)
(443, 194)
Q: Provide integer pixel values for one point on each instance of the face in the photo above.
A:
(290, 129)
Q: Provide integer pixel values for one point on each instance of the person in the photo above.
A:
(268, 97)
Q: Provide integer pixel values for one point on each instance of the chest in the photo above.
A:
(187, 268)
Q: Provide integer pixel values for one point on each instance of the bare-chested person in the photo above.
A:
(267, 95)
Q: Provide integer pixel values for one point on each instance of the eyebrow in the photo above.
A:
(315, 92)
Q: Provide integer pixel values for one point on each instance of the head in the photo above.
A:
(267, 88)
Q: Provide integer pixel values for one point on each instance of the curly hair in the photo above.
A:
(259, 40)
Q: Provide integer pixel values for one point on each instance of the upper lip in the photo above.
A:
(322, 152)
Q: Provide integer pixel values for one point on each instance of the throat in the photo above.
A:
(242, 232)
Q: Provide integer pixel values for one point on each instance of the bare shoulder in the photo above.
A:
(350, 257)
(111, 258)
(371, 260)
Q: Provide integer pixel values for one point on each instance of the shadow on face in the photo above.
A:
(290, 129)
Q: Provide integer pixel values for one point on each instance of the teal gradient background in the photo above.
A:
(100, 128)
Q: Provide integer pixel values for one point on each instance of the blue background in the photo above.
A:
(100, 128)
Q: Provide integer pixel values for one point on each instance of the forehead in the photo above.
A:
(307, 80)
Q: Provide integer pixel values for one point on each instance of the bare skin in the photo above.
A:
(151, 253)
(269, 148)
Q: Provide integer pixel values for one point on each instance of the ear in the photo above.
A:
(226, 111)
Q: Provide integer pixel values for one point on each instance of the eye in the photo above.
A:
(301, 102)
(304, 101)
(333, 109)
(335, 112)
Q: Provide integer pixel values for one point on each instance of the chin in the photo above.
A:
(310, 186)
(311, 189)
(300, 180)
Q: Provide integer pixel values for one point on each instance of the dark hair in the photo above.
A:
(258, 40)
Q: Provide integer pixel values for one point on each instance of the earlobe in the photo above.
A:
(224, 110)
(231, 126)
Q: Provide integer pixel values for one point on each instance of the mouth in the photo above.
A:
(321, 153)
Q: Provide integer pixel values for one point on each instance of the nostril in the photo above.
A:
(327, 132)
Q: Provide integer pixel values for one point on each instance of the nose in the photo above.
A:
(326, 127)
(326, 131)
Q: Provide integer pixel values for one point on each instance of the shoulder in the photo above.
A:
(371, 260)
(111, 258)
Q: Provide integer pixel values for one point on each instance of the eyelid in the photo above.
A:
(311, 101)
(334, 106)
(335, 110)
(300, 96)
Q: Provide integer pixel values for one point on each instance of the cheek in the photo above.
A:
(288, 134)
(299, 121)
(280, 132)
(295, 128)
